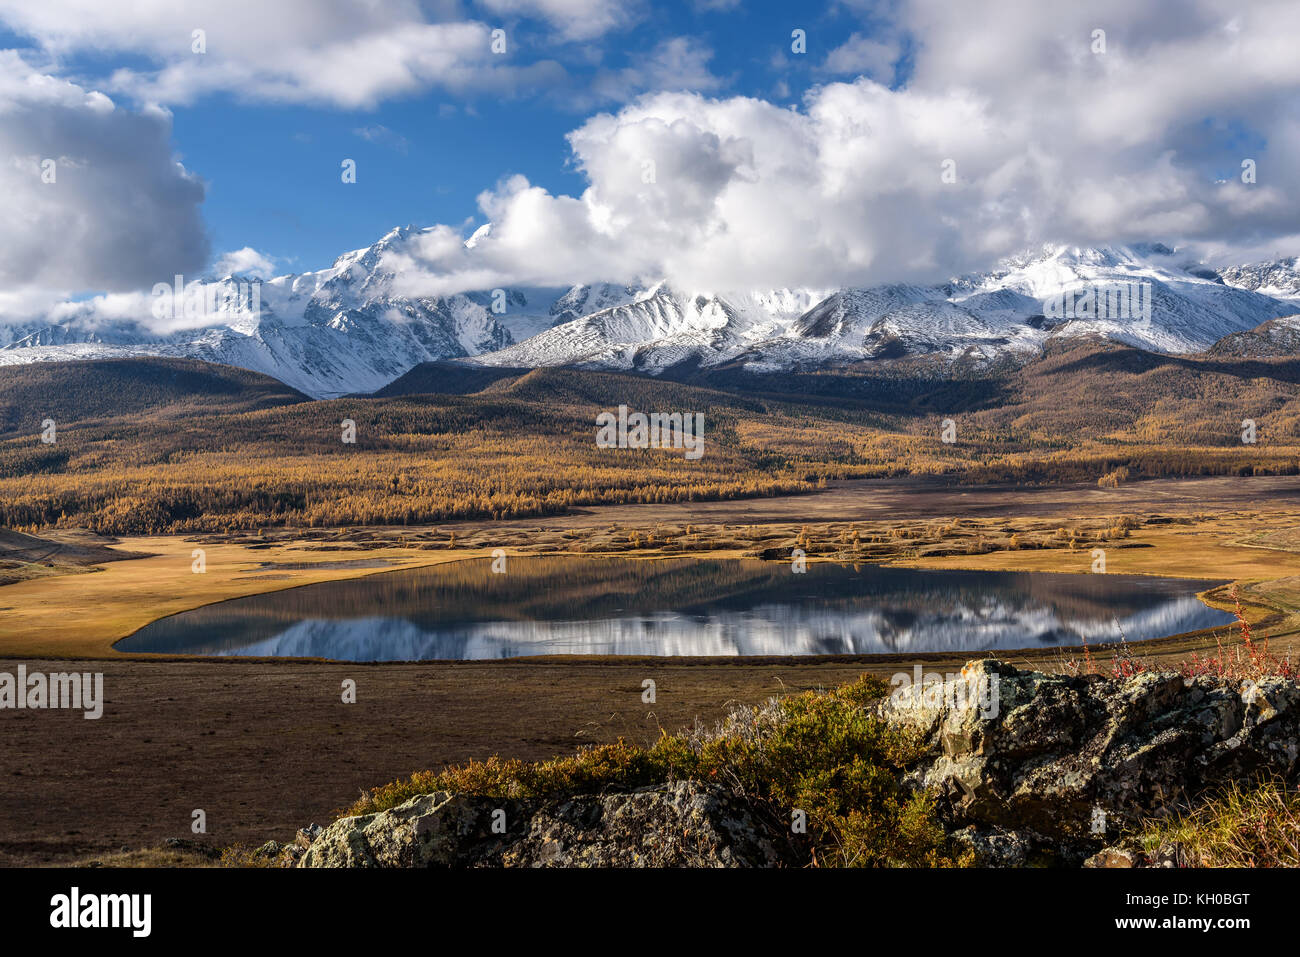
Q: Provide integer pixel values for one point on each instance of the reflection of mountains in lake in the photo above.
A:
(548, 605)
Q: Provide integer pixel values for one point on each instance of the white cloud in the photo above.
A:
(245, 262)
(573, 19)
(93, 197)
(865, 56)
(678, 63)
(381, 135)
(1050, 143)
(336, 52)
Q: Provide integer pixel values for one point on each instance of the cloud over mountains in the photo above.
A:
(1047, 131)
(1006, 126)
(94, 199)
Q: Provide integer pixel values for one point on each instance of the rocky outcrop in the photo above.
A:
(684, 824)
(1026, 768)
(1026, 764)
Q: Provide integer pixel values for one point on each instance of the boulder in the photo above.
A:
(1071, 759)
(1027, 768)
(682, 824)
(1112, 857)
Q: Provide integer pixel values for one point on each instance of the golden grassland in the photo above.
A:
(527, 449)
(251, 471)
(83, 615)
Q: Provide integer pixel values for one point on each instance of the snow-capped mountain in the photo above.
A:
(328, 332)
(343, 329)
(660, 327)
(1280, 278)
(1141, 295)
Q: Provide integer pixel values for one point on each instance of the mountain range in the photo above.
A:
(345, 330)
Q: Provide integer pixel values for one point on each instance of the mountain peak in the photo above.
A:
(481, 233)
(341, 329)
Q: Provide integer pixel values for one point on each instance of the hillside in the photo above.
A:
(238, 452)
(1277, 337)
(446, 378)
(1114, 393)
(70, 392)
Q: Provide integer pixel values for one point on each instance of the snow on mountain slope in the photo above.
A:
(1280, 279)
(328, 332)
(582, 301)
(889, 321)
(342, 329)
(661, 327)
(1188, 311)
(1008, 311)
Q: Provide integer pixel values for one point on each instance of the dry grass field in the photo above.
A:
(289, 753)
(83, 615)
(102, 529)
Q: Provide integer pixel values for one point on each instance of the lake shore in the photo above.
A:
(266, 746)
(1212, 528)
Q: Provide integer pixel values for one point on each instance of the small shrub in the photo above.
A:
(1253, 826)
(825, 753)
(1248, 661)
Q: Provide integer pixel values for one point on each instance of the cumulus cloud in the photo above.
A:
(1010, 127)
(245, 262)
(336, 52)
(573, 19)
(1010, 132)
(94, 198)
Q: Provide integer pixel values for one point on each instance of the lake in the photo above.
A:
(589, 606)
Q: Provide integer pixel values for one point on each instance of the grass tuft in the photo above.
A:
(1242, 826)
(825, 753)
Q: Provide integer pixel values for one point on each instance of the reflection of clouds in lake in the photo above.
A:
(766, 629)
(724, 607)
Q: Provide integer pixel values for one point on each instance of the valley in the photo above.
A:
(490, 438)
(147, 446)
(291, 753)
(159, 463)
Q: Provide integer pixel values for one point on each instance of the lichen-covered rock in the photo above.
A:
(684, 824)
(306, 835)
(998, 847)
(1072, 759)
(1112, 857)
(1026, 768)
(429, 830)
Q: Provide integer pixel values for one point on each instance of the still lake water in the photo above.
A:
(569, 606)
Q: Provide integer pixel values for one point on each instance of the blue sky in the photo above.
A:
(272, 171)
(771, 167)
